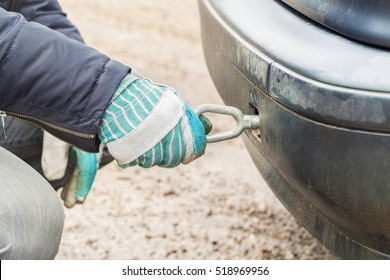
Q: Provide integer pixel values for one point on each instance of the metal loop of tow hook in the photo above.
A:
(242, 121)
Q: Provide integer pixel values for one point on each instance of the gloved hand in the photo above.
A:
(55, 155)
(147, 124)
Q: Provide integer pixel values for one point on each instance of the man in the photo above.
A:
(85, 99)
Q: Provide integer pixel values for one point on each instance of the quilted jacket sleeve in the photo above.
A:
(50, 14)
(54, 79)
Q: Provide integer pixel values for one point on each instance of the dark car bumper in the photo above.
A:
(324, 102)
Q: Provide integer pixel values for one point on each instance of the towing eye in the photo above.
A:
(242, 121)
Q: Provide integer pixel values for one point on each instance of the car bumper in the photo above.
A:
(323, 145)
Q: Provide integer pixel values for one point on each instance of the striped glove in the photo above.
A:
(54, 161)
(148, 124)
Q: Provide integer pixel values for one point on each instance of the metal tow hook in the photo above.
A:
(242, 121)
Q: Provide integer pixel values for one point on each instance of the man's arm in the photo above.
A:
(50, 14)
(46, 78)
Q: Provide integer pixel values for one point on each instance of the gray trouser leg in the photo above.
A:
(25, 141)
(31, 215)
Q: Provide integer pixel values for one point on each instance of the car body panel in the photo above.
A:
(328, 166)
(366, 21)
(286, 40)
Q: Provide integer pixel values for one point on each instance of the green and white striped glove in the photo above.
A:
(54, 161)
(147, 124)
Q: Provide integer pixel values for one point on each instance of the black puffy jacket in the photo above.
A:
(50, 80)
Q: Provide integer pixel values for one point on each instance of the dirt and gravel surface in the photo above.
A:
(218, 207)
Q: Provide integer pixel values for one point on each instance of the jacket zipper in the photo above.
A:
(37, 122)
(3, 115)
(15, 5)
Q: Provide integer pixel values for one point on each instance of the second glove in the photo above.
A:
(55, 156)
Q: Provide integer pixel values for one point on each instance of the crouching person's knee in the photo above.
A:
(31, 214)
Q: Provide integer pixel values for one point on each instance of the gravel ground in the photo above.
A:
(218, 207)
